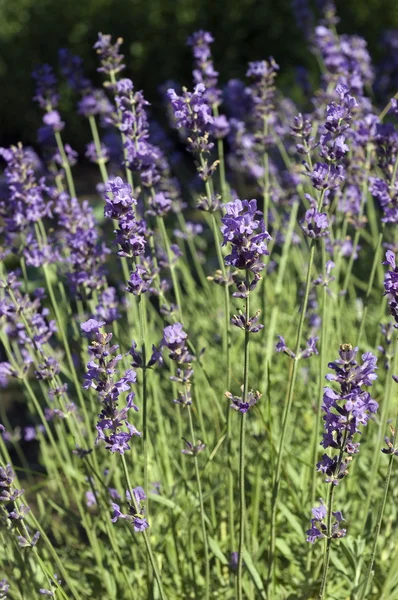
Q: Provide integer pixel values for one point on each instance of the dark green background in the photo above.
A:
(155, 31)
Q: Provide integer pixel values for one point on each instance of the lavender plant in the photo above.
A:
(136, 458)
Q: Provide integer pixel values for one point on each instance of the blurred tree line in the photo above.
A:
(155, 32)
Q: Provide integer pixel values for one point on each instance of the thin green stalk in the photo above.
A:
(199, 269)
(242, 506)
(285, 419)
(380, 515)
(372, 481)
(143, 318)
(376, 260)
(144, 533)
(227, 329)
(279, 290)
(323, 344)
(328, 541)
(65, 164)
(97, 144)
(176, 285)
(67, 349)
(202, 510)
(221, 158)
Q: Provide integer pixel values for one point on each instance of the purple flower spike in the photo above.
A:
(111, 59)
(318, 524)
(204, 71)
(91, 325)
(113, 426)
(243, 227)
(391, 285)
(243, 406)
(346, 410)
(315, 224)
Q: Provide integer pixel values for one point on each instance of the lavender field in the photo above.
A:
(198, 358)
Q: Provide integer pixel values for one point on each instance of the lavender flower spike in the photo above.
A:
(346, 410)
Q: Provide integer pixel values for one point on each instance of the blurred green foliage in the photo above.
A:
(155, 31)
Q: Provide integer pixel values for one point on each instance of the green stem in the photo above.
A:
(176, 285)
(380, 515)
(143, 317)
(376, 260)
(328, 541)
(242, 506)
(227, 329)
(285, 419)
(315, 438)
(388, 386)
(202, 511)
(97, 144)
(144, 533)
(65, 164)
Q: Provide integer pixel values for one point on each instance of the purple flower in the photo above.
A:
(113, 426)
(120, 207)
(53, 120)
(243, 227)
(72, 69)
(192, 450)
(175, 338)
(391, 285)
(262, 91)
(204, 71)
(92, 325)
(46, 83)
(241, 404)
(27, 201)
(307, 353)
(140, 281)
(346, 409)
(94, 156)
(111, 59)
(318, 524)
(192, 113)
(137, 519)
(156, 357)
(95, 103)
(315, 224)
(4, 587)
(108, 306)
(387, 196)
(327, 177)
(87, 253)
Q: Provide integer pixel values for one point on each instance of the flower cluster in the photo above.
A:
(204, 71)
(11, 509)
(318, 525)
(120, 207)
(175, 340)
(346, 410)
(244, 228)
(307, 353)
(242, 405)
(86, 253)
(25, 322)
(262, 90)
(192, 114)
(111, 59)
(26, 203)
(136, 513)
(113, 426)
(391, 285)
